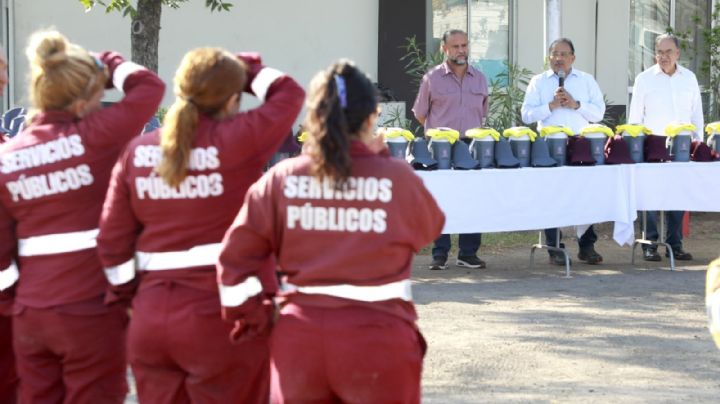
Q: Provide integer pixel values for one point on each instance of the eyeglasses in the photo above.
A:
(667, 52)
(560, 54)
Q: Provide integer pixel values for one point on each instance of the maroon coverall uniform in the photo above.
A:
(346, 330)
(8, 375)
(178, 345)
(69, 346)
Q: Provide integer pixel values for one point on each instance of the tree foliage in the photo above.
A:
(145, 25)
(708, 49)
(126, 7)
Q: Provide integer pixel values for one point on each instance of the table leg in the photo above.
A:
(661, 234)
(556, 248)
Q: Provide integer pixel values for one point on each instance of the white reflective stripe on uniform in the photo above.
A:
(57, 243)
(9, 276)
(201, 255)
(396, 290)
(122, 273)
(263, 80)
(122, 71)
(233, 296)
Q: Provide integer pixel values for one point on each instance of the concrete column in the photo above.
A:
(553, 18)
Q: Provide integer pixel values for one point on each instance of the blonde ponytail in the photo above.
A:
(176, 139)
(204, 82)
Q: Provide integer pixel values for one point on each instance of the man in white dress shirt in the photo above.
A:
(575, 104)
(662, 94)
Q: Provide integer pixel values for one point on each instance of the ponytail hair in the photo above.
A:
(340, 101)
(204, 82)
(61, 72)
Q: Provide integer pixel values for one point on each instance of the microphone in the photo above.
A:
(561, 77)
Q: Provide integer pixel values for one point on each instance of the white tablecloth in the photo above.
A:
(678, 186)
(495, 200)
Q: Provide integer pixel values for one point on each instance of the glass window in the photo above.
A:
(648, 19)
(488, 30)
(691, 17)
(489, 36)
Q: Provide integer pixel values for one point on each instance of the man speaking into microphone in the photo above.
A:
(565, 96)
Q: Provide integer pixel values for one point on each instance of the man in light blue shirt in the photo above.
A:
(574, 103)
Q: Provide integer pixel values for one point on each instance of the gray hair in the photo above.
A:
(566, 41)
(667, 35)
(451, 32)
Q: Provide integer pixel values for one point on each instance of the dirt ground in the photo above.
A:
(611, 333)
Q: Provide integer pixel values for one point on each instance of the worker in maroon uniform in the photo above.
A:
(173, 194)
(341, 223)
(8, 376)
(69, 345)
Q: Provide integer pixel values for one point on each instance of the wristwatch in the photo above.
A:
(578, 103)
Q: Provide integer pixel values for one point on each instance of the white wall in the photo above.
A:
(606, 59)
(299, 37)
(578, 23)
(529, 31)
(613, 53)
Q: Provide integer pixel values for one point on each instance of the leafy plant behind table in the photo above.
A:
(417, 61)
(507, 92)
(396, 118)
(612, 118)
(710, 67)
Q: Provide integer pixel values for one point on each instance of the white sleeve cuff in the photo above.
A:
(121, 274)
(122, 72)
(233, 296)
(264, 80)
(9, 276)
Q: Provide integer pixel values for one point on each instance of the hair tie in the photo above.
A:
(342, 92)
(98, 63)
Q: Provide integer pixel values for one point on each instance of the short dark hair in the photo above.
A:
(566, 41)
(667, 35)
(450, 32)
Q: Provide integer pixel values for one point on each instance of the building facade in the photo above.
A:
(614, 39)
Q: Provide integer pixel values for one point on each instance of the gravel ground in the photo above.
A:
(610, 333)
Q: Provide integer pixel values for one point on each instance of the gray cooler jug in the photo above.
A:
(557, 143)
(597, 146)
(483, 150)
(441, 151)
(636, 146)
(714, 142)
(520, 146)
(397, 147)
(679, 146)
